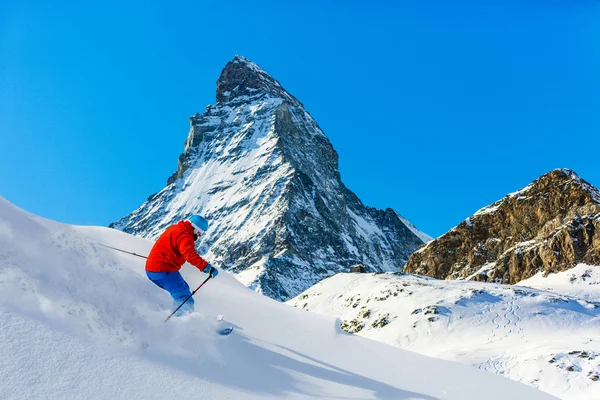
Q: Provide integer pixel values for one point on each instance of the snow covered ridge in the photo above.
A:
(80, 321)
(549, 226)
(522, 193)
(422, 235)
(549, 339)
(260, 168)
(594, 193)
(242, 80)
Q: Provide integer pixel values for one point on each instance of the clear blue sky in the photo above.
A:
(436, 108)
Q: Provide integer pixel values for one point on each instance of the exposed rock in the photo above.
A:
(550, 226)
(381, 321)
(352, 326)
(358, 268)
(431, 310)
(241, 80)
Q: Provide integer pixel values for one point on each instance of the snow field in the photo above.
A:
(546, 339)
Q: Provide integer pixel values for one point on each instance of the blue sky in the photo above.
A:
(436, 108)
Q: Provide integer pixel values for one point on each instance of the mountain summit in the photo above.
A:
(259, 167)
(241, 80)
(549, 226)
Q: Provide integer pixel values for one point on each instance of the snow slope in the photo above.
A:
(547, 339)
(79, 321)
(582, 281)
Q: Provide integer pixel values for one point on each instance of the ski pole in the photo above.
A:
(123, 251)
(198, 288)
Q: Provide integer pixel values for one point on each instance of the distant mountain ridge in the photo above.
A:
(259, 167)
(551, 225)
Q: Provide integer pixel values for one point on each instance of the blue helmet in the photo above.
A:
(199, 223)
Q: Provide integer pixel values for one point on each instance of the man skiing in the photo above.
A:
(172, 249)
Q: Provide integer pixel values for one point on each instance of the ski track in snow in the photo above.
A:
(507, 327)
(517, 307)
(495, 327)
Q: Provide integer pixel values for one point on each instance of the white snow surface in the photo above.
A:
(80, 321)
(582, 281)
(549, 339)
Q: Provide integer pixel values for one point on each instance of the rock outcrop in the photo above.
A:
(550, 226)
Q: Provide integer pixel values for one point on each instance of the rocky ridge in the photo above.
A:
(549, 226)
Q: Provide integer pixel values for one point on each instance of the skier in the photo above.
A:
(172, 249)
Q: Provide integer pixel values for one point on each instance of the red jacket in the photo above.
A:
(173, 248)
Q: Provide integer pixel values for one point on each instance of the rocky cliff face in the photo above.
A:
(550, 225)
(258, 166)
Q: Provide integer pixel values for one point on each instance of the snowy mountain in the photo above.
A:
(548, 337)
(258, 166)
(81, 321)
(550, 226)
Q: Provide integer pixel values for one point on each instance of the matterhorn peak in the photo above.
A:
(261, 170)
(242, 80)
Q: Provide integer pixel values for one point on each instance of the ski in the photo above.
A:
(225, 331)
